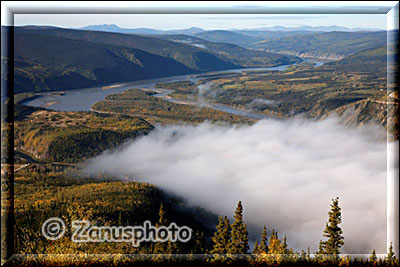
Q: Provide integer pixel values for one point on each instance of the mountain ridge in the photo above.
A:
(108, 27)
(335, 45)
(51, 63)
(50, 58)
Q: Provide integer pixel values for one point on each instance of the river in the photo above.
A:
(83, 99)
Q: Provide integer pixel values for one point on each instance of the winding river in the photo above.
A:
(83, 99)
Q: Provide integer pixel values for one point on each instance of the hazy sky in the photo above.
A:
(205, 21)
(242, 14)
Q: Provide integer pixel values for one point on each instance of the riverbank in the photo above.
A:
(83, 99)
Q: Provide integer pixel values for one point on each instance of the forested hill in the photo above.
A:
(195, 58)
(364, 60)
(237, 54)
(334, 45)
(49, 58)
(227, 37)
(54, 63)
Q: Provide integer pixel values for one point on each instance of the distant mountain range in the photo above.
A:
(242, 37)
(195, 30)
(316, 28)
(115, 28)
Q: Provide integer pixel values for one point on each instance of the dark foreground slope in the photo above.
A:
(55, 63)
(195, 58)
(49, 58)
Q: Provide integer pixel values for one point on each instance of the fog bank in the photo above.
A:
(286, 173)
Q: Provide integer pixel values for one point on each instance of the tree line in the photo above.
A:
(230, 243)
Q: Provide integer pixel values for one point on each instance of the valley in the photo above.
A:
(118, 126)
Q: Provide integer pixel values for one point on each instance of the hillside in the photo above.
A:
(380, 110)
(375, 56)
(355, 86)
(330, 45)
(73, 136)
(366, 111)
(55, 63)
(194, 58)
(49, 58)
(237, 54)
(43, 191)
(270, 34)
(227, 37)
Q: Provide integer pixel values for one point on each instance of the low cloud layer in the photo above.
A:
(285, 172)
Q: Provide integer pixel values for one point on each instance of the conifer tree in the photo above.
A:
(221, 237)
(199, 241)
(256, 249)
(162, 221)
(274, 246)
(261, 247)
(333, 232)
(284, 246)
(321, 251)
(264, 240)
(373, 258)
(160, 248)
(227, 234)
(276, 249)
(221, 240)
(239, 243)
(391, 259)
(303, 256)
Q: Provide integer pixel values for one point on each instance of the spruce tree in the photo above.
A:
(239, 243)
(221, 240)
(256, 249)
(373, 258)
(264, 240)
(199, 243)
(391, 258)
(162, 221)
(333, 232)
(227, 233)
(320, 251)
(217, 246)
(276, 249)
(261, 247)
(274, 246)
(303, 256)
(160, 248)
(284, 246)
(221, 237)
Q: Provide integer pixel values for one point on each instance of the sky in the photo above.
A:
(205, 21)
(211, 15)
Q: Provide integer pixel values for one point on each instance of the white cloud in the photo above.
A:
(285, 172)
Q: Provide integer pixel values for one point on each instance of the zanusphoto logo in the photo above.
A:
(82, 231)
